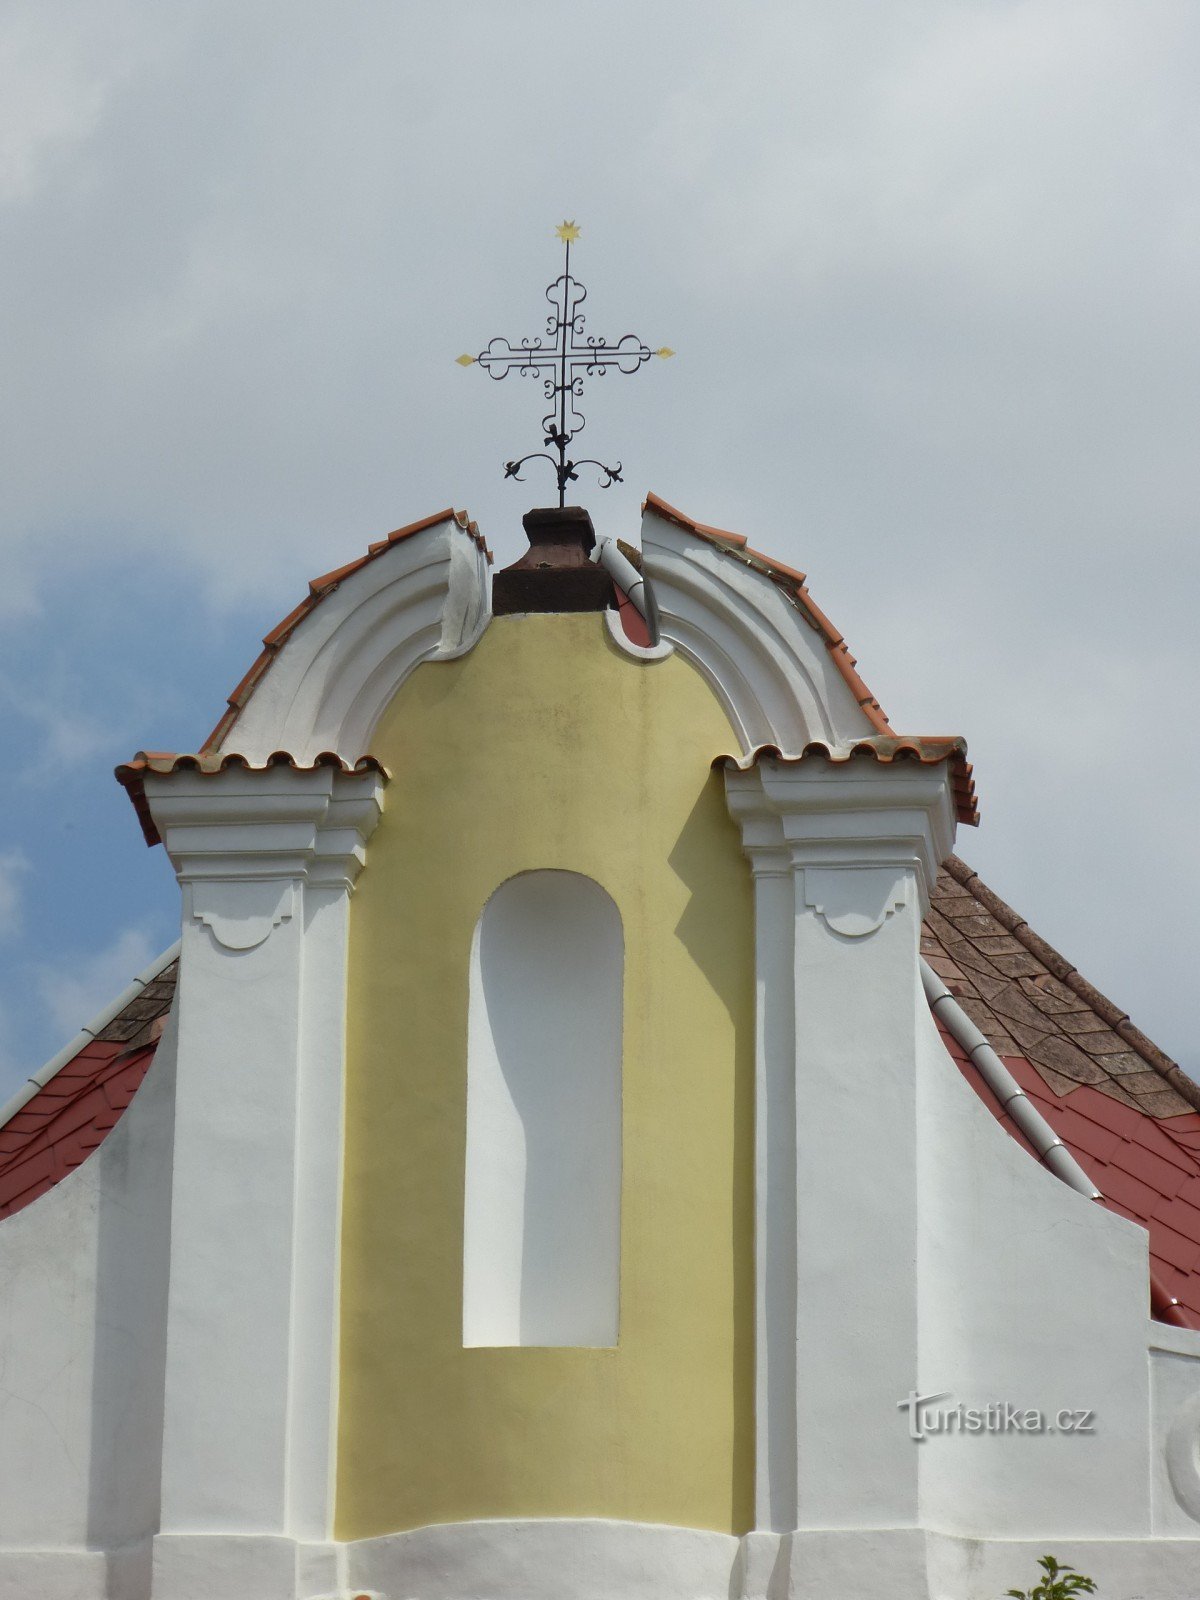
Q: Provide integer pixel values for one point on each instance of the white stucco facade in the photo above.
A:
(168, 1312)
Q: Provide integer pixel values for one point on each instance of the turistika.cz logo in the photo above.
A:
(927, 1417)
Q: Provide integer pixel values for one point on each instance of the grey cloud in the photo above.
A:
(931, 270)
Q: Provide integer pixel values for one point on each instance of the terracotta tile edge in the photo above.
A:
(318, 588)
(131, 775)
(795, 585)
(927, 749)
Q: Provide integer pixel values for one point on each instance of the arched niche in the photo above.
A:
(542, 1217)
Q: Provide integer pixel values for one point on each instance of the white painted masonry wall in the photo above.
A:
(542, 1220)
(1175, 1423)
(1034, 1295)
(83, 1285)
(266, 861)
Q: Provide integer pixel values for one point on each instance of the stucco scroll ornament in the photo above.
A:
(242, 915)
(1183, 1456)
(854, 901)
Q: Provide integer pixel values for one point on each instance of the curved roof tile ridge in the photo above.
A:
(318, 588)
(795, 585)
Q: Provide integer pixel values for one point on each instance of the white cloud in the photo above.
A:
(60, 69)
(66, 735)
(14, 864)
(930, 270)
(75, 988)
(13, 1070)
(49, 102)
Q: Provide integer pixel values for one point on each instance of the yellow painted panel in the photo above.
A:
(546, 746)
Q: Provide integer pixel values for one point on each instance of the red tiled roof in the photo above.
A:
(794, 585)
(1029, 1001)
(70, 1115)
(1128, 1114)
(1143, 1167)
(131, 775)
(318, 588)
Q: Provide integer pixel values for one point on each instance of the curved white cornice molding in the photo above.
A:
(423, 598)
(767, 665)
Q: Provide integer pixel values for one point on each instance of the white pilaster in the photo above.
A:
(775, 1189)
(843, 855)
(266, 860)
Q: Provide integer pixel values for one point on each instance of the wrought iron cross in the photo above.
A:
(563, 363)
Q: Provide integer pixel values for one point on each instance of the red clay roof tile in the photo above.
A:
(1133, 1178)
(48, 1146)
(1129, 1115)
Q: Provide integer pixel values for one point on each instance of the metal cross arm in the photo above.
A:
(569, 356)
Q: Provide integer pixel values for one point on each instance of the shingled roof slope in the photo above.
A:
(1031, 1002)
(70, 1115)
(1128, 1114)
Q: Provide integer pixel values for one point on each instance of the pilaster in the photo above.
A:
(843, 855)
(266, 860)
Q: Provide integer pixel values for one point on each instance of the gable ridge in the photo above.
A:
(318, 588)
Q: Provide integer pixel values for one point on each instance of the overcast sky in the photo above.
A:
(932, 273)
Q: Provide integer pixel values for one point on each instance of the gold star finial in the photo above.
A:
(465, 361)
(568, 232)
(666, 352)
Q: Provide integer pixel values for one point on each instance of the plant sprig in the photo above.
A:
(1058, 1583)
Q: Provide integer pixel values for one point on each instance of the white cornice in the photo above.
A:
(425, 598)
(272, 824)
(817, 813)
(766, 664)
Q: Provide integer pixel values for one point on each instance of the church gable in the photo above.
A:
(408, 1329)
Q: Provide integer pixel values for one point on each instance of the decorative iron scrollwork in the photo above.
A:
(571, 356)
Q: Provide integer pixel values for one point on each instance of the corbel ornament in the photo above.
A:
(854, 901)
(242, 913)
